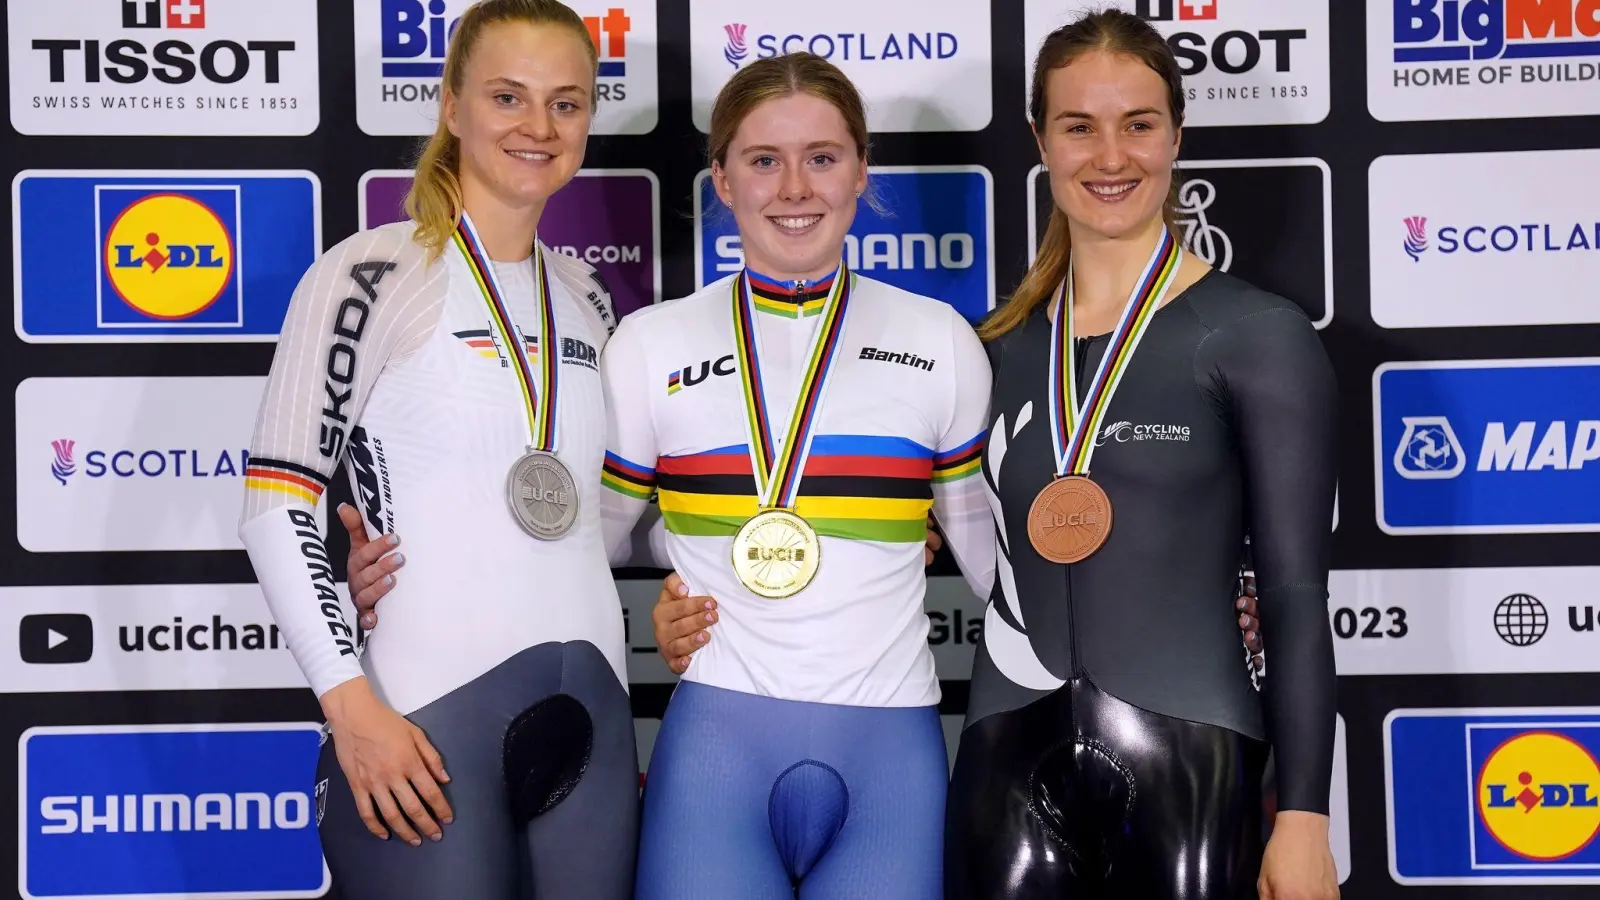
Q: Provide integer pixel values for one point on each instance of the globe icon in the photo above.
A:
(1521, 620)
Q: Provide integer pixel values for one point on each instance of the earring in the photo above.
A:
(728, 203)
(858, 195)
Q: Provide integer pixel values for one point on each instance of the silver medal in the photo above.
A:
(542, 495)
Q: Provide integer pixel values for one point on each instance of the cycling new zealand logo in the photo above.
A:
(170, 811)
(135, 257)
(937, 241)
(1487, 447)
(1494, 796)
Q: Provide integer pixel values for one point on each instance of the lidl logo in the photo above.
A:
(202, 256)
(170, 256)
(1530, 780)
(1537, 795)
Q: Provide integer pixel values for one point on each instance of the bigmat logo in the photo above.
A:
(157, 463)
(164, 67)
(1448, 255)
(609, 218)
(400, 48)
(938, 240)
(1493, 796)
(169, 811)
(119, 256)
(920, 66)
(1283, 243)
(1482, 59)
(1502, 446)
(1244, 62)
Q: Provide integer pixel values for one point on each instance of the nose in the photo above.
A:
(795, 185)
(539, 124)
(1109, 154)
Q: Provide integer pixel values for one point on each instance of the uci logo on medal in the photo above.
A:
(169, 256)
(1539, 795)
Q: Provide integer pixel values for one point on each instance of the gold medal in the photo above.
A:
(776, 554)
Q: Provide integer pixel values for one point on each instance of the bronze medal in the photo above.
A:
(1069, 520)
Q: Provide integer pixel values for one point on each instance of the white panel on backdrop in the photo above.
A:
(1487, 59)
(1244, 62)
(1339, 803)
(1462, 239)
(169, 637)
(1465, 621)
(133, 463)
(148, 67)
(400, 49)
(920, 66)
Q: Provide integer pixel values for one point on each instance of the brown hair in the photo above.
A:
(434, 201)
(781, 76)
(1111, 31)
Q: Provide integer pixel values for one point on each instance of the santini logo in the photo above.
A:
(904, 359)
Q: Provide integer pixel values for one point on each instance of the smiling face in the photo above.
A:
(792, 174)
(1109, 141)
(522, 114)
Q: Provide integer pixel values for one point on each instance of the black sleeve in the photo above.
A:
(1282, 395)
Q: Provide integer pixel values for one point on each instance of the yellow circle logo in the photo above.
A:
(1539, 795)
(169, 256)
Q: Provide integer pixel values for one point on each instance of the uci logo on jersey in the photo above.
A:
(1490, 447)
(130, 256)
(170, 810)
(689, 376)
(1532, 780)
(937, 240)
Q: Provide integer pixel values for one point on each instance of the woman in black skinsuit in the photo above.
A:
(1148, 414)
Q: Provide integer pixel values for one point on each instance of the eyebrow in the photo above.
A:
(1130, 114)
(513, 83)
(768, 148)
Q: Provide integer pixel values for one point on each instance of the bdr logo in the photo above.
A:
(937, 241)
(1487, 446)
(170, 810)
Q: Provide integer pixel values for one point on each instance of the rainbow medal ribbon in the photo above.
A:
(776, 551)
(1071, 517)
(539, 489)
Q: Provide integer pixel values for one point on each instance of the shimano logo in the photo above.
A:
(875, 252)
(904, 359)
(135, 813)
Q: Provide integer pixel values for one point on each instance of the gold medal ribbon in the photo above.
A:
(778, 467)
(538, 396)
(1072, 428)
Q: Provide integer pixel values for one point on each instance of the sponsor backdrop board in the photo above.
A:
(176, 165)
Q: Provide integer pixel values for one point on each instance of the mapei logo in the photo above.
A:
(1532, 783)
(691, 375)
(1525, 237)
(1487, 446)
(229, 807)
(1161, 10)
(1427, 31)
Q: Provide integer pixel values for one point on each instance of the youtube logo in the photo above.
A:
(49, 638)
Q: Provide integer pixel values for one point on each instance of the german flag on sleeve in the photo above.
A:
(954, 465)
(299, 482)
(627, 478)
(856, 487)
